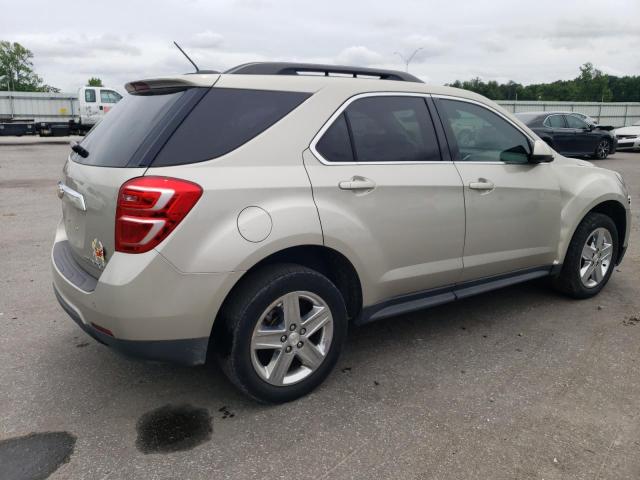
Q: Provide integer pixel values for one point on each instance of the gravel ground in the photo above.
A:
(518, 383)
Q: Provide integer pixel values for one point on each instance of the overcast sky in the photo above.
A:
(500, 40)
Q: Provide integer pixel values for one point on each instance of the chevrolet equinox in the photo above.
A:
(253, 215)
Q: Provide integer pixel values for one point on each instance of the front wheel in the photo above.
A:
(603, 149)
(590, 257)
(282, 332)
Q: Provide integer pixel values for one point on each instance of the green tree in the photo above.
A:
(94, 82)
(591, 85)
(16, 70)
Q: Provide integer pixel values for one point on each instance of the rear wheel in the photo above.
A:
(590, 258)
(603, 149)
(283, 329)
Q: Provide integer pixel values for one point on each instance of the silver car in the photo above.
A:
(253, 215)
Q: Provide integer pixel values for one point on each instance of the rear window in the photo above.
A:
(114, 140)
(223, 120)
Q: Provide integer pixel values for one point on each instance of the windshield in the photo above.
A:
(114, 140)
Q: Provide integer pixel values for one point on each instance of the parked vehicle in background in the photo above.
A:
(591, 121)
(55, 114)
(253, 215)
(570, 135)
(629, 137)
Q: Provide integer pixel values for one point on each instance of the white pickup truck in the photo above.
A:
(46, 113)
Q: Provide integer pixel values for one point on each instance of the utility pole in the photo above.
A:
(407, 60)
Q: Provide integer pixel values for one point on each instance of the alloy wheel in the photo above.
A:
(292, 338)
(603, 149)
(596, 257)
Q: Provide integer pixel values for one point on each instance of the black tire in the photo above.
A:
(603, 148)
(568, 281)
(243, 310)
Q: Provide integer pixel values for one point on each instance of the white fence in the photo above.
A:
(617, 114)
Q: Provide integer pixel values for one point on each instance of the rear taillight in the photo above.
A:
(148, 210)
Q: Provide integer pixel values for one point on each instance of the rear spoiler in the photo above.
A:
(161, 86)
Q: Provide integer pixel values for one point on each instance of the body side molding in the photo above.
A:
(431, 298)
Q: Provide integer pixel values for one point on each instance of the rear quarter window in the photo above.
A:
(335, 144)
(224, 120)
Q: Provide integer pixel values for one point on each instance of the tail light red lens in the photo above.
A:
(148, 210)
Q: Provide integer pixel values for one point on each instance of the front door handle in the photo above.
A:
(357, 183)
(482, 184)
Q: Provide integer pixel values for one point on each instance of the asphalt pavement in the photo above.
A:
(520, 383)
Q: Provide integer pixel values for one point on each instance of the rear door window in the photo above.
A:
(223, 120)
(392, 129)
(555, 121)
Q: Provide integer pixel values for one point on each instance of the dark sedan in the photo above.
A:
(569, 134)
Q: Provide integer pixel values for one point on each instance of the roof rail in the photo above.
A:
(285, 68)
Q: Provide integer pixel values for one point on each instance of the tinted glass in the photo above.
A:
(223, 120)
(483, 136)
(114, 140)
(90, 95)
(555, 121)
(392, 129)
(575, 122)
(335, 145)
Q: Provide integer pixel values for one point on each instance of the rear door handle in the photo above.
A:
(482, 185)
(357, 183)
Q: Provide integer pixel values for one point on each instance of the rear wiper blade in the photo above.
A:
(79, 149)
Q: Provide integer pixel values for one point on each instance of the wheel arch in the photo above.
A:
(615, 210)
(618, 213)
(331, 263)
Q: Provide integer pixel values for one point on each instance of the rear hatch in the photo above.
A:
(120, 147)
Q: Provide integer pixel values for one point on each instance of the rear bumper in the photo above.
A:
(192, 351)
(153, 310)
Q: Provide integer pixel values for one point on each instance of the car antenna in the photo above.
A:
(188, 58)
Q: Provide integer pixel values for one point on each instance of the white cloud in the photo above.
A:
(359, 56)
(70, 45)
(429, 46)
(206, 39)
(459, 39)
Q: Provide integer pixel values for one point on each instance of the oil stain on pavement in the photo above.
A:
(35, 456)
(173, 428)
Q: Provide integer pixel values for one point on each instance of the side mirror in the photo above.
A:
(541, 153)
(590, 127)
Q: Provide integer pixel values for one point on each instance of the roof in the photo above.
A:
(549, 112)
(311, 78)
